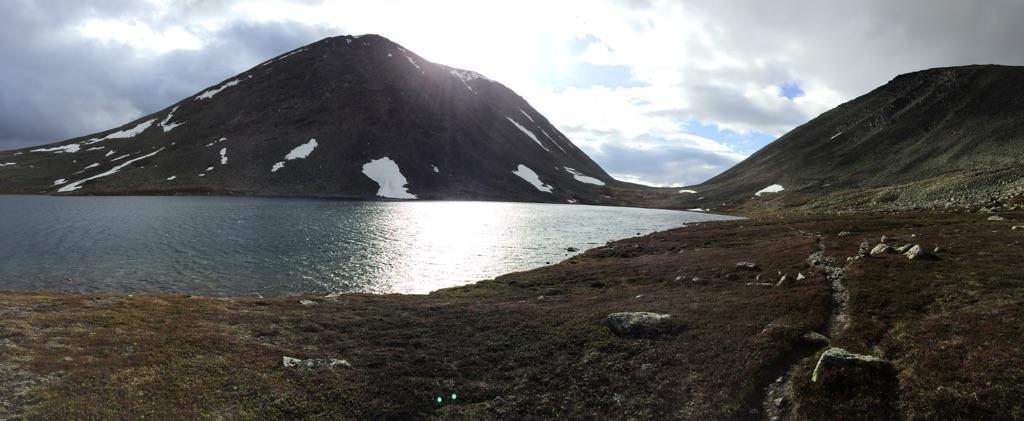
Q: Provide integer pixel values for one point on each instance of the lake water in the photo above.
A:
(237, 246)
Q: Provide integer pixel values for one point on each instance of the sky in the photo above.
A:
(661, 93)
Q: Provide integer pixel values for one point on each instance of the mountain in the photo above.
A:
(933, 139)
(347, 116)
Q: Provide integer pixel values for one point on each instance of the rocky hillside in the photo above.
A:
(939, 138)
(349, 116)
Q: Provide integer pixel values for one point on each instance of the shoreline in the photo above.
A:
(536, 344)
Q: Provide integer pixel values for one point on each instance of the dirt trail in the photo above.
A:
(778, 395)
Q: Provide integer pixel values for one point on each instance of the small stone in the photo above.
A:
(996, 218)
(938, 250)
(779, 402)
(883, 240)
(679, 278)
(639, 296)
(880, 250)
(844, 233)
(639, 323)
(307, 303)
(747, 266)
(784, 281)
(903, 249)
(571, 249)
(1016, 227)
(697, 281)
(800, 276)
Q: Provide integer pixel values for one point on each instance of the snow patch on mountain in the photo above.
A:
(414, 63)
(524, 172)
(527, 132)
(78, 184)
(527, 115)
(209, 93)
(774, 188)
(71, 148)
(391, 182)
(582, 178)
(300, 152)
(467, 76)
(124, 134)
(687, 191)
(166, 124)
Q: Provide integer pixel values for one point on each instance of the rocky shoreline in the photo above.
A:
(767, 318)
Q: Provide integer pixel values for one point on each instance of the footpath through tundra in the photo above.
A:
(695, 336)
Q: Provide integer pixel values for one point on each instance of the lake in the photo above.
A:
(239, 246)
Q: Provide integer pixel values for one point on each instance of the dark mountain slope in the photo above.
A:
(948, 137)
(356, 117)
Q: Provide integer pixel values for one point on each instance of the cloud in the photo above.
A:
(60, 83)
(629, 80)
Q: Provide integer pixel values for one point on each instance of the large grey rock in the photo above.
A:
(639, 323)
(839, 357)
(313, 363)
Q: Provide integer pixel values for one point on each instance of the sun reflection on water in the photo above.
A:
(445, 240)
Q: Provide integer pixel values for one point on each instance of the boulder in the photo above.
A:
(903, 249)
(1016, 227)
(996, 218)
(313, 363)
(307, 303)
(880, 250)
(834, 358)
(639, 323)
(747, 266)
(915, 252)
(571, 249)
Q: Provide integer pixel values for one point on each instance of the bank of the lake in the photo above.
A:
(535, 344)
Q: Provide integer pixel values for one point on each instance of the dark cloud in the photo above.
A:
(57, 84)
